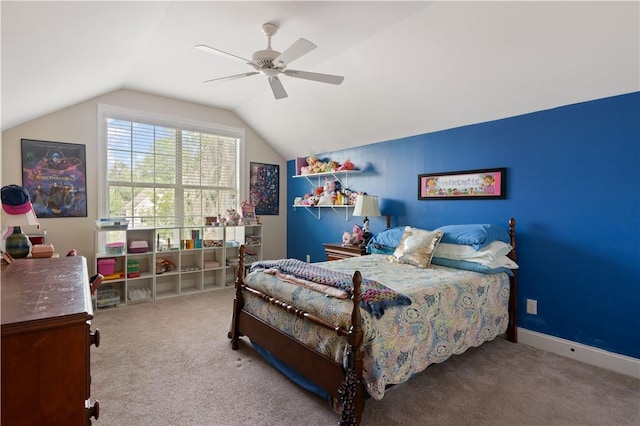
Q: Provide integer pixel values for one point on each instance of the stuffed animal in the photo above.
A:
(305, 200)
(319, 167)
(357, 234)
(346, 238)
(353, 196)
(328, 193)
(310, 167)
(347, 165)
(332, 166)
(313, 200)
(233, 217)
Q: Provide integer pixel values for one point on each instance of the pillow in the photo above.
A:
(490, 252)
(476, 235)
(499, 262)
(469, 266)
(386, 241)
(416, 247)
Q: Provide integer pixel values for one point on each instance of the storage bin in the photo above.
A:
(106, 266)
(138, 247)
(114, 248)
(107, 296)
(113, 223)
(133, 268)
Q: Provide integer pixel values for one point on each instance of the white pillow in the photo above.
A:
(498, 262)
(489, 252)
(416, 247)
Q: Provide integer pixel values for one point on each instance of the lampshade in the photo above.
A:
(28, 218)
(366, 205)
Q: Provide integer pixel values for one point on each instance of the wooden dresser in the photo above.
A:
(336, 251)
(46, 319)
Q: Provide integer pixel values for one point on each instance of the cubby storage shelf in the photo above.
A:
(179, 261)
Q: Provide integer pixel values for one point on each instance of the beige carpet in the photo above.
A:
(170, 363)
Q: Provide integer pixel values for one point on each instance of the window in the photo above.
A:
(162, 173)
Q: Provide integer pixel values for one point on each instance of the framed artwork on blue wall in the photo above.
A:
(469, 184)
(264, 188)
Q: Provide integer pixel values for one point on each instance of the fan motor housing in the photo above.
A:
(264, 58)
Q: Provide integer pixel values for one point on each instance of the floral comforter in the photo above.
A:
(450, 311)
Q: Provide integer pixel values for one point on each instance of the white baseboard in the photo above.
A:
(583, 353)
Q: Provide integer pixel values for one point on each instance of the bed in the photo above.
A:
(396, 318)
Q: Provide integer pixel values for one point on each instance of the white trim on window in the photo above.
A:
(110, 111)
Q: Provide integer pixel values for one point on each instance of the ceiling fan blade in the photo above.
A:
(323, 78)
(233, 77)
(219, 52)
(277, 88)
(297, 49)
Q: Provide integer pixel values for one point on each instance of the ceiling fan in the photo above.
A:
(270, 63)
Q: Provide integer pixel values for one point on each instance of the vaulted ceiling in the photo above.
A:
(409, 67)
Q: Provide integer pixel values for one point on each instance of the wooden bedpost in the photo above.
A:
(512, 329)
(512, 237)
(238, 302)
(352, 401)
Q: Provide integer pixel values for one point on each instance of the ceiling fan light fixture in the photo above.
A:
(269, 72)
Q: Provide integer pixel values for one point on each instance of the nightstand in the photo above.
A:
(336, 251)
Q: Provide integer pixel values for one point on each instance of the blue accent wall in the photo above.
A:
(573, 185)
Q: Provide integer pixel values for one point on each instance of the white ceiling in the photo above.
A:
(409, 67)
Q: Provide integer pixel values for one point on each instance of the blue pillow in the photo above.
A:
(386, 241)
(476, 235)
(469, 266)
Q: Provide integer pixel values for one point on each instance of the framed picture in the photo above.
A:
(264, 188)
(55, 175)
(470, 184)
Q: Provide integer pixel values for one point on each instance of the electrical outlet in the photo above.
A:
(532, 306)
(308, 258)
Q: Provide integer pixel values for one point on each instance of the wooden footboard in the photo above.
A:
(344, 384)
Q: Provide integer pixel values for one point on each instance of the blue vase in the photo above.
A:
(17, 244)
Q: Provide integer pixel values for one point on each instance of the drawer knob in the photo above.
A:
(93, 410)
(95, 338)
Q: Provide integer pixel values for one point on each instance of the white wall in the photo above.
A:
(79, 124)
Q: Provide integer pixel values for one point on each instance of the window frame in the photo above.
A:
(109, 111)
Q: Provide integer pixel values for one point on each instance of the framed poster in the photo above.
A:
(55, 175)
(470, 184)
(264, 188)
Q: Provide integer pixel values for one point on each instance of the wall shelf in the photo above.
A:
(316, 179)
(315, 210)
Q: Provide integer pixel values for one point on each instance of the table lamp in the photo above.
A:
(366, 205)
(17, 211)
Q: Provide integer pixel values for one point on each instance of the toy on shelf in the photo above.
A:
(315, 165)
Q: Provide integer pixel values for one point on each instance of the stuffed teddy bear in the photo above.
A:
(310, 167)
